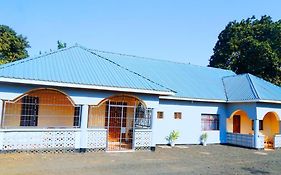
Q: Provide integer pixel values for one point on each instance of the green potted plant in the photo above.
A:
(204, 138)
(172, 137)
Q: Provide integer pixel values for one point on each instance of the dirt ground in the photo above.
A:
(213, 159)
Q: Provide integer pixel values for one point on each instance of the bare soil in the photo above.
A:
(213, 159)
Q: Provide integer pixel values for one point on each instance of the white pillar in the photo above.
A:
(279, 126)
(1, 119)
(84, 126)
(256, 133)
(1, 112)
(153, 126)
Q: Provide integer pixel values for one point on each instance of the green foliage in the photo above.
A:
(12, 46)
(250, 46)
(61, 44)
(174, 135)
(204, 137)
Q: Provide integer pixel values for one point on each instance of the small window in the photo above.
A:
(209, 122)
(177, 115)
(160, 115)
(260, 124)
(77, 114)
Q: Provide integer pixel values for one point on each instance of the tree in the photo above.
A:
(250, 46)
(12, 46)
(61, 44)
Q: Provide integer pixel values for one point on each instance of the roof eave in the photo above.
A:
(84, 86)
(191, 99)
(255, 101)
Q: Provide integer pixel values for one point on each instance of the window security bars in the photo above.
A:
(41, 109)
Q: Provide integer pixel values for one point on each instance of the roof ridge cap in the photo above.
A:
(90, 50)
(33, 58)
(252, 86)
(155, 59)
(236, 75)
(224, 88)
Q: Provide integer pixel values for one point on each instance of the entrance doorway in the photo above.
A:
(236, 123)
(120, 116)
(119, 122)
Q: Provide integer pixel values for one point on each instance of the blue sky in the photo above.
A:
(182, 31)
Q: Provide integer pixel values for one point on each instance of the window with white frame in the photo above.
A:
(209, 122)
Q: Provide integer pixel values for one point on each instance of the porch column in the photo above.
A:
(84, 126)
(1, 119)
(279, 126)
(256, 133)
(1, 112)
(153, 126)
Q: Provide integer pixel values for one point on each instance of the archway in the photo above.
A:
(239, 122)
(119, 115)
(270, 128)
(41, 108)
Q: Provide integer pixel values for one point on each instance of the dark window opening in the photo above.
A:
(77, 116)
(29, 111)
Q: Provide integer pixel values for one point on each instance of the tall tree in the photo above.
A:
(250, 46)
(61, 44)
(12, 46)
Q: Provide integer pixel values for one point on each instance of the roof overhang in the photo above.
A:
(255, 101)
(217, 101)
(191, 99)
(84, 86)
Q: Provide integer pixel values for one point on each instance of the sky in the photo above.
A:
(182, 31)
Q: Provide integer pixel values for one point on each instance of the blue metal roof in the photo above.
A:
(189, 81)
(77, 65)
(245, 87)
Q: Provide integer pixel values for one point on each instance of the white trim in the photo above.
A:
(83, 86)
(216, 101)
(255, 101)
(190, 99)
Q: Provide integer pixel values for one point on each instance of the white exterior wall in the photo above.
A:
(190, 124)
(264, 108)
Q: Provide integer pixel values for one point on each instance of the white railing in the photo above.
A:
(39, 139)
(277, 141)
(64, 139)
(245, 140)
(96, 139)
(143, 139)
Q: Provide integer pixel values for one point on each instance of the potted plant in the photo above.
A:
(172, 137)
(204, 138)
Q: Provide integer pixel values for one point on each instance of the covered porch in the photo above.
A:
(252, 132)
(47, 119)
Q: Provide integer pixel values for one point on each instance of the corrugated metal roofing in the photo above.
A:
(77, 65)
(249, 87)
(187, 80)
(238, 88)
(265, 90)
